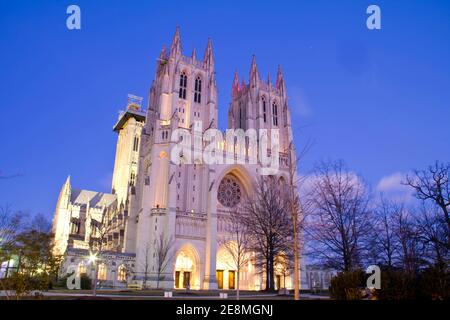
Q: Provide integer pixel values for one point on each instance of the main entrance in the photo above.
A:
(182, 279)
(219, 277)
(230, 275)
(231, 280)
(226, 269)
(186, 273)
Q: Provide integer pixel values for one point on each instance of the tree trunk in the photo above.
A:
(238, 283)
(94, 290)
(296, 266)
(272, 273)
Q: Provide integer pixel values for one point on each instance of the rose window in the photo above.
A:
(229, 194)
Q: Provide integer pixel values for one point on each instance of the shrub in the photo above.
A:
(348, 285)
(434, 283)
(396, 285)
(85, 281)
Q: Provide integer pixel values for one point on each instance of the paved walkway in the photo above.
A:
(190, 297)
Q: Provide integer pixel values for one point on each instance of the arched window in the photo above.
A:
(229, 193)
(264, 109)
(275, 114)
(102, 274)
(132, 179)
(122, 273)
(82, 268)
(198, 90)
(183, 85)
(136, 143)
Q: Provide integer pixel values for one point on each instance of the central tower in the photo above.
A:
(183, 96)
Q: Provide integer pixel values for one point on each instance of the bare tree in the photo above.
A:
(98, 239)
(163, 255)
(385, 246)
(431, 232)
(11, 176)
(297, 212)
(433, 185)
(10, 224)
(238, 245)
(406, 235)
(146, 264)
(38, 222)
(267, 218)
(339, 225)
(409, 238)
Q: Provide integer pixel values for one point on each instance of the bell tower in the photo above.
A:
(129, 128)
(182, 100)
(261, 104)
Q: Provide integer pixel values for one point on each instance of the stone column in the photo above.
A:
(210, 281)
(170, 231)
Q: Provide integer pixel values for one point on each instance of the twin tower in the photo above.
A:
(185, 207)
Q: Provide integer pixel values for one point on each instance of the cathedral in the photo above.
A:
(165, 221)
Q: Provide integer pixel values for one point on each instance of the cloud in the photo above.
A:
(308, 182)
(298, 103)
(391, 186)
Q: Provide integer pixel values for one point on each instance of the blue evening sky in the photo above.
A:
(380, 100)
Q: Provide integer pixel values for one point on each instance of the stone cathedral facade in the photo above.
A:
(183, 205)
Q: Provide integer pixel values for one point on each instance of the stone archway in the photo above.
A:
(282, 272)
(240, 172)
(226, 273)
(187, 268)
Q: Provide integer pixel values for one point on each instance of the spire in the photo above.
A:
(64, 194)
(236, 79)
(66, 188)
(208, 59)
(280, 81)
(67, 180)
(162, 60)
(175, 48)
(269, 81)
(194, 55)
(254, 75)
(162, 54)
(235, 87)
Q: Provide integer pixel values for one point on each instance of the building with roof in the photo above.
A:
(161, 196)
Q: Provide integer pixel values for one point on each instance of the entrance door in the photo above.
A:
(177, 279)
(231, 279)
(187, 280)
(219, 276)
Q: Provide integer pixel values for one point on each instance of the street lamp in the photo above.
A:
(92, 257)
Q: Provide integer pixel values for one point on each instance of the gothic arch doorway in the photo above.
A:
(187, 270)
(226, 273)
